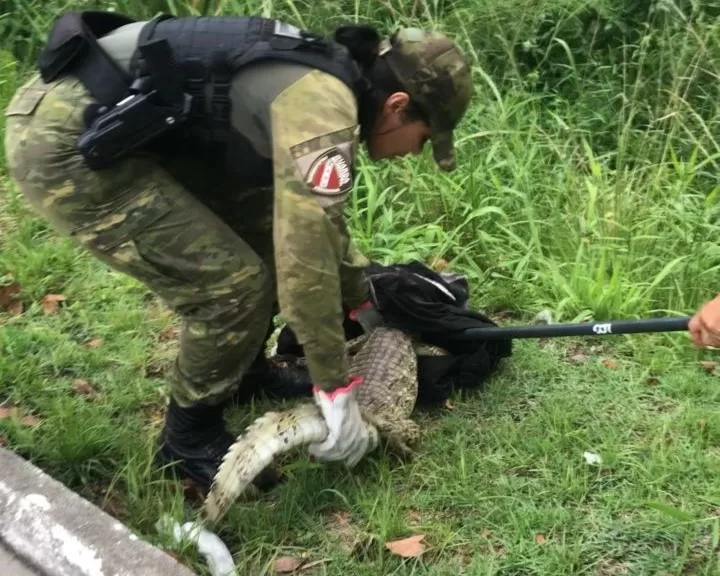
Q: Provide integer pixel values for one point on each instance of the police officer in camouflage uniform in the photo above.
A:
(236, 212)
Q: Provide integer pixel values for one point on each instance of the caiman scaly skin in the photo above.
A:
(386, 359)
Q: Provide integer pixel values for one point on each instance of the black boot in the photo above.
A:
(194, 440)
(273, 381)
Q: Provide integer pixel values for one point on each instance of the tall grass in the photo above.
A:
(588, 169)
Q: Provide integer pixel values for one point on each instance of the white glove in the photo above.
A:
(349, 438)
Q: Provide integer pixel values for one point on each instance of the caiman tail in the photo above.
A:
(269, 436)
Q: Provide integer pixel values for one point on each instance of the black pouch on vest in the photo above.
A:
(72, 48)
(130, 112)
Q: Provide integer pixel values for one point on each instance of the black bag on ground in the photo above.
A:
(431, 306)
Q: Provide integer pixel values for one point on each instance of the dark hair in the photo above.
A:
(363, 43)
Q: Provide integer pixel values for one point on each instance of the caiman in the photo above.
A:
(387, 360)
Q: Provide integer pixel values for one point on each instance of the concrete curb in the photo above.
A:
(57, 533)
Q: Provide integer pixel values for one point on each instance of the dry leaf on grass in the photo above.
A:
(540, 538)
(287, 564)
(610, 364)
(709, 366)
(170, 333)
(486, 534)
(9, 300)
(84, 388)
(578, 358)
(30, 420)
(10, 411)
(449, 405)
(407, 547)
(95, 343)
(439, 264)
(51, 302)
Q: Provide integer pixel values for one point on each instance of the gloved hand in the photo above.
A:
(349, 439)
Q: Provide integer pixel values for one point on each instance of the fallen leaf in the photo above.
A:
(13, 412)
(486, 534)
(30, 420)
(449, 405)
(9, 300)
(95, 343)
(709, 365)
(287, 564)
(440, 264)
(169, 333)
(610, 364)
(578, 358)
(8, 291)
(51, 302)
(84, 388)
(540, 538)
(407, 547)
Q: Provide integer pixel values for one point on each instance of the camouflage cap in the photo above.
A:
(434, 72)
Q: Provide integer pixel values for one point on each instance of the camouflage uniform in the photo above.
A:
(223, 256)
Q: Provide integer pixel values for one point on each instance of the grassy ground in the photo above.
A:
(596, 199)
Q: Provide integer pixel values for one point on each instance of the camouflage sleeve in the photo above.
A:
(354, 285)
(315, 134)
(352, 279)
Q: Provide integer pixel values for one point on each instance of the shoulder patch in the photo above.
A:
(327, 166)
(330, 173)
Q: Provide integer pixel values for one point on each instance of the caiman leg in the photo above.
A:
(400, 435)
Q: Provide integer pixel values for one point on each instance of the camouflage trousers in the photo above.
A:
(141, 218)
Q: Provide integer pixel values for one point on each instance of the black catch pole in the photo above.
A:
(609, 328)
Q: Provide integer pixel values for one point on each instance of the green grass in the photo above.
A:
(587, 185)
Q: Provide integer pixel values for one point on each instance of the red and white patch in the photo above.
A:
(330, 174)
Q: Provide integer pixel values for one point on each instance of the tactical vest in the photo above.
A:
(191, 81)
